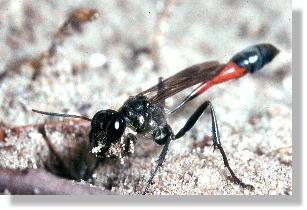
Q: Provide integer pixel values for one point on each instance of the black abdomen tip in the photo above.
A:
(268, 52)
(255, 57)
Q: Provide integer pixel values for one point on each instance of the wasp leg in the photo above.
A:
(161, 159)
(215, 136)
(129, 140)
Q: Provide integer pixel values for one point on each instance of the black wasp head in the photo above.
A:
(107, 127)
(255, 57)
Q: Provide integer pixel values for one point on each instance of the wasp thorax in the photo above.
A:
(107, 127)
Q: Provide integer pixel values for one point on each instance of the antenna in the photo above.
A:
(61, 115)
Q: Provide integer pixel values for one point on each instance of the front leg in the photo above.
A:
(128, 144)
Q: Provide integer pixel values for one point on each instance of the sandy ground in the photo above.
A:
(100, 67)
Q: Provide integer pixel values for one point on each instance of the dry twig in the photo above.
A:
(74, 23)
(40, 182)
(160, 30)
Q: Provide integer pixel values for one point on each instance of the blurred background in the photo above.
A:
(96, 61)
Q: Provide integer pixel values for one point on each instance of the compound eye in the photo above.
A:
(110, 124)
(106, 128)
(116, 127)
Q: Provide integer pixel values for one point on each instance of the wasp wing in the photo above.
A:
(184, 79)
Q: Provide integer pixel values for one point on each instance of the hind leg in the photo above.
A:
(215, 136)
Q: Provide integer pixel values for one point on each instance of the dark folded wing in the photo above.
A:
(184, 79)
